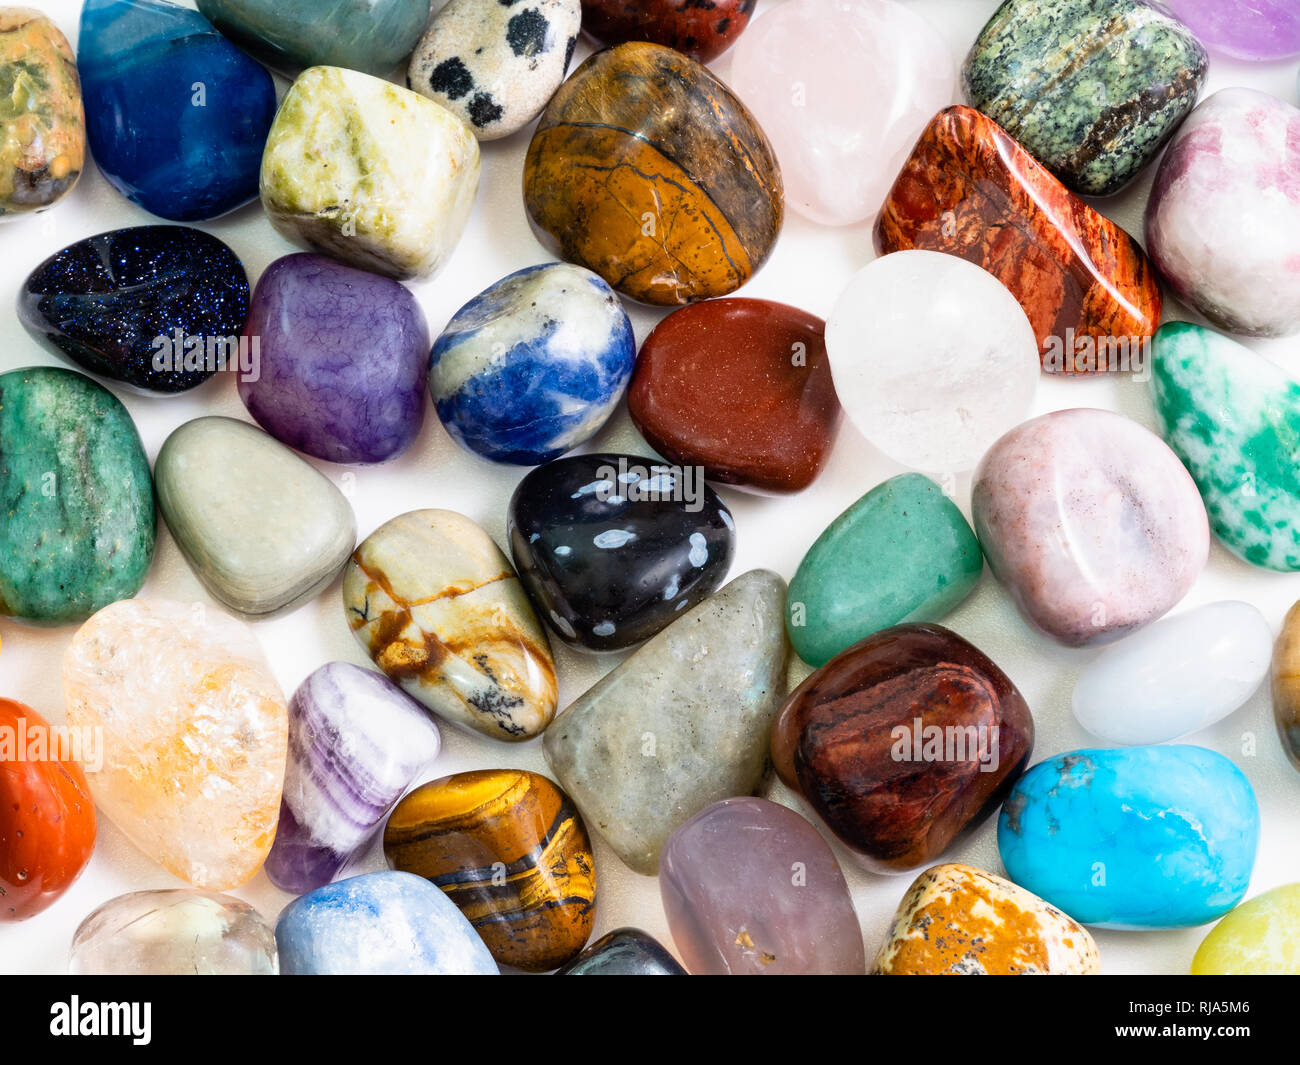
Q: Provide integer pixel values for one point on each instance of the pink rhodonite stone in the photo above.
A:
(192, 735)
(1091, 523)
(1223, 222)
(751, 888)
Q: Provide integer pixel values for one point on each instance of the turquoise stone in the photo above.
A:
(1233, 418)
(903, 552)
(76, 498)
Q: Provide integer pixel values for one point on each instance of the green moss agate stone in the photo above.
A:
(76, 501)
(903, 552)
(1233, 418)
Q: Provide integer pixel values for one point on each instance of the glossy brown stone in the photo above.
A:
(702, 30)
(741, 387)
(903, 742)
(970, 190)
(647, 169)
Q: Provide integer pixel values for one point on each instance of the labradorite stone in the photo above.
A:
(76, 500)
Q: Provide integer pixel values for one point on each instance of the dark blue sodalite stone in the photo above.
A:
(176, 115)
(624, 952)
(112, 304)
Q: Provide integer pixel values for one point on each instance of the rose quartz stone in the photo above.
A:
(1091, 523)
(843, 89)
(751, 888)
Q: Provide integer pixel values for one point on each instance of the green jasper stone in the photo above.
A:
(76, 498)
(903, 552)
(1233, 418)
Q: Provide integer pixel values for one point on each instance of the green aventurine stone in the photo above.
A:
(1234, 420)
(76, 501)
(903, 552)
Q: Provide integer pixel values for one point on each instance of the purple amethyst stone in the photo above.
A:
(342, 359)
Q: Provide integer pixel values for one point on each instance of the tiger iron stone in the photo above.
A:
(647, 169)
(903, 743)
(959, 921)
(970, 190)
(509, 848)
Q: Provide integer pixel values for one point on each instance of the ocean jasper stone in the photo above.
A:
(903, 743)
(1260, 30)
(42, 127)
(436, 605)
(903, 552)
(843, 107)
(741, 387)
(647, 169)
(174, 932)
(1091, 524)
(342, 356)
(1133, 837)
(373, 36)
(356, 743)
(533, 365)
(1087, 286)
(495, 65)
(1093, 88)
(613, 547)
(702, 31)
(193, 732)
(79, 524)
(1259, 938)
(959, 921)
(1233, 418)
(379, 924)
(262, 529)
(680, 724)
(623, 952)
(1285, 684)
(1233, 169)
(369, 172)
(1178, 676)
(176, 114)
(461, 832)
(47, 817)
(970, 366)
(751, 889)
(156, 308)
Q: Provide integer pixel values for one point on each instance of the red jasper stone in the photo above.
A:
(741, 387)
(47, 818)
(970, 190)
(702, 29)
(904, 742)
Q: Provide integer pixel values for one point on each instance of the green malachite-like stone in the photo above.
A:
(1234, 420)
(903, 552)
(76, 500)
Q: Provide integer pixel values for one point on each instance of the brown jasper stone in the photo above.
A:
(702, 31)
(646, 169)
(741, 387)
(1286, 685)
(904, 742)
(959, 921)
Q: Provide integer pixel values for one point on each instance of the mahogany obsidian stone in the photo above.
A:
(903, 742)
(702, 29)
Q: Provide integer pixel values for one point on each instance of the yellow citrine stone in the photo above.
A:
(1261, 937)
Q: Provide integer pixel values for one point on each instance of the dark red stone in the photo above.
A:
(846, 740)
(741, 387)
(702, 29)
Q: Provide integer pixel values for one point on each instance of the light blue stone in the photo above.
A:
(534, 365)
(387, 924)
(1134, 837)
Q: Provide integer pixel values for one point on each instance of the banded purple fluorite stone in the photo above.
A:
(356, 742)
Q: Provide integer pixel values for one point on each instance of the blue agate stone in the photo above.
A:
(386, 924)
(176, 115)
(1134, 837)
(534, 365)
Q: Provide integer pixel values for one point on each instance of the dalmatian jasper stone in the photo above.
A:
(496, 63)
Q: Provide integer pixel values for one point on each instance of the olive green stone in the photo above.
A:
(75, 495)
(903, 552)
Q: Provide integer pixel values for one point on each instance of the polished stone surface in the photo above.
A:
(702, 31)
(1261, 937)
(1285, 685)
(623, 952)
(1259, 30)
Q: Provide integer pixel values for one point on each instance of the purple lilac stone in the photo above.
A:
(356, 742)
(1257, 30)
(342, 360)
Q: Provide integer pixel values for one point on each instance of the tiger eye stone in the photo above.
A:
(509, 849)
(647, 169)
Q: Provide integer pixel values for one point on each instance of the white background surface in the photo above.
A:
(810, 266)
